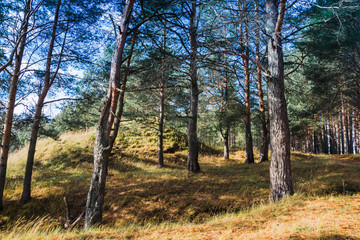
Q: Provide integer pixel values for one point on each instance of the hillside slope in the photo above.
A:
(227, 200)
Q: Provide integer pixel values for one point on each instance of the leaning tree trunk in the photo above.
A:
(5, 143)
(26, 194)
(280, 166)
(193, 161)
(264, 147)
(96, 194)
(122, 93)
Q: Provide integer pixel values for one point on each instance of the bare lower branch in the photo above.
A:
(65, 99)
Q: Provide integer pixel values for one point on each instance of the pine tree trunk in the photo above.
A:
(249, 154)
(325, 146)
(192, 161)
(350, 132)
(26, 194)
(161, 127)
(355, 122)
(264, 147)
(333, 135)
(5, 143)
(316, 143)
(225, 136)
(343, 125)
(337, 136)
(280, 166)
(96, 194)
(122, 93)
(225, 141)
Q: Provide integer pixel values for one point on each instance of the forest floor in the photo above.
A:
(227, 200)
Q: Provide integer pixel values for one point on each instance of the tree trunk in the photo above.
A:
(96, 194)
(26, 194)
(280, 166)
(350, 132)
(161, 127)
(249, 154)
(192, 161)
(5, 143)
(337, 136)
(264, 147)
(122, 93)
(355, 122)
(333, 136)
(325, 143)
(225, 141)
(316, 143)
(225, 136)
(343, 125)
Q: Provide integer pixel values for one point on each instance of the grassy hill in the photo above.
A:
(227, 200)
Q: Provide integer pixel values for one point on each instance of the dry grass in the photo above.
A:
(228, 200)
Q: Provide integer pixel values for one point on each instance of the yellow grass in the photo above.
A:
(227, 200)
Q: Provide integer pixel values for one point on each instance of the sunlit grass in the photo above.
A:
(228, 199)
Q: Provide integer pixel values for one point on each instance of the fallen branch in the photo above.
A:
(68, 225)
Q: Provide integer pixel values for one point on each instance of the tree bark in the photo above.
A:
(337, 135)
(26, 194)
(163, 83)
(122, 93)
(350, 132)
(161, 128)
(5, 143)
(355, 122)
(225, 141)
(96, 194)
(280, 166)
(249, 154)
(264, 147)
(316, 143)
(333, 135)
(344, 131)
(192, 161)
(325, 143)
(225, 135)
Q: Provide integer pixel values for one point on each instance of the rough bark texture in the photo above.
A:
(192, 161)
(5, 143)
(264, 147)
(122, 94)
(280, 166)
(26, 194)
(95, 198)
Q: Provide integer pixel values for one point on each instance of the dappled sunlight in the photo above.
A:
(229, 198)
